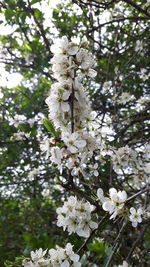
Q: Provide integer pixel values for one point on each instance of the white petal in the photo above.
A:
(100, 193)
(73, 50)
(139, 211)
(134, 224)
(122, 195)
(96, 173)
(80, 143)
(74, 136)
(92, 73)
(93, 225)
(73, 149)
(66, 95)
(112, 191)
(65, 106)
(74, 257)
(139, 219)
(65, 264)
(132, 210)
(108, 206)
(64, 42)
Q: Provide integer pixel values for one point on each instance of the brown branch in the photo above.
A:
(41, 29)
(117, 20)
(138, 194)
(136, 242)
(116, 243)
(143, 115)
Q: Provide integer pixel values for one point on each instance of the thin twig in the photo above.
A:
(136, 242)
(116, 243)
(117, 20)
(138, 193)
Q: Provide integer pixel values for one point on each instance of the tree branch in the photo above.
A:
(116, 243)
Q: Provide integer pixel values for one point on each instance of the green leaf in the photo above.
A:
(38, 14)
(8, 14)
(99, 247)
(34, 2)
(23, 16)
(49, 126)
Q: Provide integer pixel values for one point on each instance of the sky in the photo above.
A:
(11, 80)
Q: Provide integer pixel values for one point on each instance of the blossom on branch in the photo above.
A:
(75, 216)
(59, 257)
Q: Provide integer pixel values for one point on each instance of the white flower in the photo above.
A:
(135, 216)
(139, 46)
(125, 264)
(123, 157)
(38, 254)
(74, 143)
(92, 73)
(93, 169)
(59, 99)
(56, 256)
(115, 203)
(45, 146)
(64, 257)
(20, 136)
(32, 174)
(62, 46)
(84, 228)
(100, 195)
(74, 257)
(70, 64)
(56, 155)
(85, 58)
(142, 102)
(17, 120)
(124, 98)
(46, 193)
(144, 75)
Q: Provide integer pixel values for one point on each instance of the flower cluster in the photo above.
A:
(75, 216)
(20, 136)
(124, 98)
(69, 106)
(60, 257)
(144, 75)
(115, 203)
(70, 64)
(17, 120)
(123, 157)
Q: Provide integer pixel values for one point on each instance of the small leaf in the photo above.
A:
(34, 2)
(49, 126)
(8, 14)
(38, 14)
